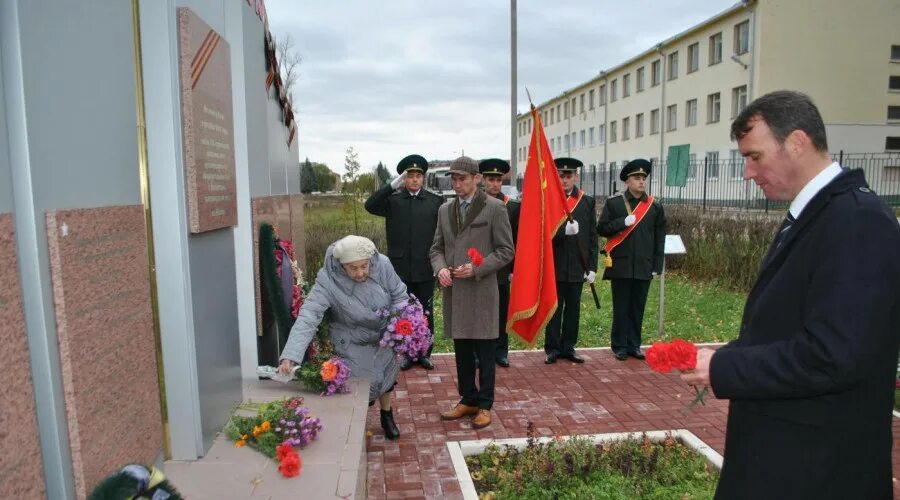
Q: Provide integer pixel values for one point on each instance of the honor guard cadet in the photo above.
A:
(634, 225)
(410, 213)
(492, 172)
(571, 271)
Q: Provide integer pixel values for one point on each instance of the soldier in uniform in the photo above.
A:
(410, 214)
(635, 227)
(492, 172)
(562, 331)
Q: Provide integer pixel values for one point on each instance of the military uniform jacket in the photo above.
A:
(566, 258)
(512, 209)
(641, 254)
(410, 222)
(810, 377)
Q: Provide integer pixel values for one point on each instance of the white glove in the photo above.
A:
(629, 221)
(572, 228)
(590, 276)
(510, 277)
(396, 183)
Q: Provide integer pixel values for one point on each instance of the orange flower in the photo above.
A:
(257, 431)
(239, 443)
(329, 371)
(266, 426)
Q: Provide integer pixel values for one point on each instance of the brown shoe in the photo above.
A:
(483, 419)
(459, 411)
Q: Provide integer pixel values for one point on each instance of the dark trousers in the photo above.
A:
(481, 396)
(562, 330)
(424, 291)
(503, 338)
(629, 298)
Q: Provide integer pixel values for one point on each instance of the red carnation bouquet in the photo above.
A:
(475, 256)
(678, 354)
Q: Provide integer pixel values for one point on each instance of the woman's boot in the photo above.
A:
(387, 423)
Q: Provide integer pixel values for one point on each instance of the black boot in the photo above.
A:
(387, 423)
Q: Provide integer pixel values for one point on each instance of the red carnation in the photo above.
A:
(284, 450)
(404, 327)
(683, 355)
(290, 465)
(475, 257)
(659, 359)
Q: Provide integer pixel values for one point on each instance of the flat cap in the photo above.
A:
(639, 166)
(463, 165)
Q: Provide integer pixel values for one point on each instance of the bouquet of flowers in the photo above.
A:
(678, 354)
(407, 330)
(277, 428)
(325, 373)
(286, 248)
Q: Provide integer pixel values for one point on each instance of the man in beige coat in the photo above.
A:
(470, 298)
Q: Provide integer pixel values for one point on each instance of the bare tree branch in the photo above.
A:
(288, 65)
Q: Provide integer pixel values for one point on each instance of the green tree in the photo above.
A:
(350, 189)
(308, 179)
(382, 174)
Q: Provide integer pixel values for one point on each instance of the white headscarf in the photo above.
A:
(353, 248)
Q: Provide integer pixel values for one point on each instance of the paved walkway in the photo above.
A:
(603, 395)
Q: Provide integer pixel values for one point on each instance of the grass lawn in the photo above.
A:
(694, 311)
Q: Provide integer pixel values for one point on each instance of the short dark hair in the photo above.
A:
(784, 111)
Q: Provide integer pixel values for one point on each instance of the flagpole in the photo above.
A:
(580, 244)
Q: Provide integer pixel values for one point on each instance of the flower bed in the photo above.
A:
(656, 464)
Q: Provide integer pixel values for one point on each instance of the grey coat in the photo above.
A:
(471, 306)
(355, 329)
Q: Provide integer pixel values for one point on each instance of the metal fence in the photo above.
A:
(718, 184)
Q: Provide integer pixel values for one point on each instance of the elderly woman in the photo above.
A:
(353, 284)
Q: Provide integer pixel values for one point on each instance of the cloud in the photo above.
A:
(402, 76)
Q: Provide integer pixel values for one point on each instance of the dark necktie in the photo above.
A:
(780, 237)
(463, 208)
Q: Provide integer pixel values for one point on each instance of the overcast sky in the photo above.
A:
(396, 77)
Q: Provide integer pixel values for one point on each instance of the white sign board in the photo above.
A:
(674, 245)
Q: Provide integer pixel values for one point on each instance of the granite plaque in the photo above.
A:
(207, 124)
(101, 293)
(21, 469)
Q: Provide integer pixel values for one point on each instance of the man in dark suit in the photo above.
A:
(634, 225)
(410, 214)
(492, 172)
(810, 377)
(562, 330)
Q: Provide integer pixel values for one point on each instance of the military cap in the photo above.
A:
(568, 164)
(412, 163)
(639, 166)
(493, 166)
(463, 165)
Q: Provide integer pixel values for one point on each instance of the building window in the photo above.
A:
(690, 113)
(742, 38)
(693, 57)
(738, 100)
(583, 134)
(894, 83)
(581, 107)
(895, 52)
(574, 144)
(712, 165)
(601, 134)
(893, 113)
(612, 131)
(655, 73)
(568, 146)
(553, 144)
(552, 116)
(639, 125)
(715, 49)
(559, 113)
(713, 107)
(692, 166)
(613, 90)
(573, 107)
(591, 136)
(602, 95)
(566, 109)
(892, 143)
(736, 165)
(673, 66)
(654, 121)
(626, 85)
(626, 126)
(672, 117)
(639, 79)
(591, 99)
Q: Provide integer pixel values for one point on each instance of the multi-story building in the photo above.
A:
(688, 88)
